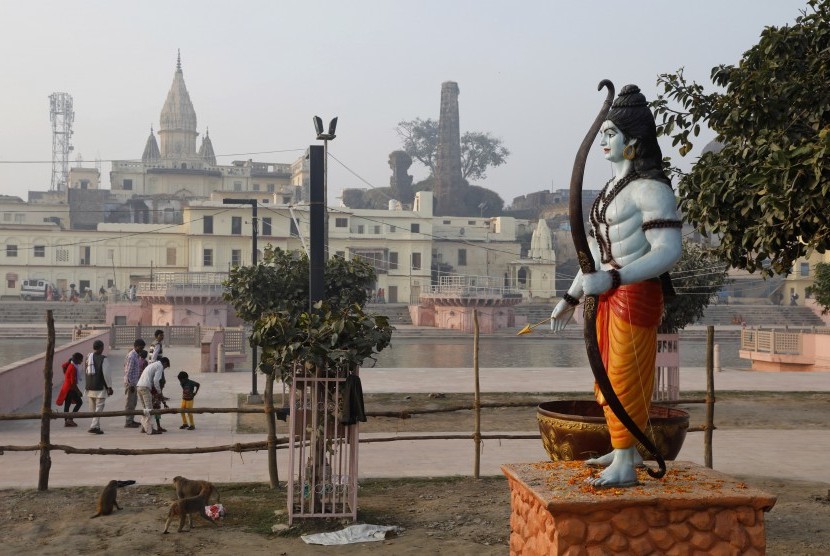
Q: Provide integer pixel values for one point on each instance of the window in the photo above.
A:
(393, 260)
(360, 228)
(171, 256)
(256, 187)
(62, 256)
(10, 284)
(11, 250)
(416, 261)
(266, 226)
(237, 186)
(391, 229)
(341, 254)
(236, 257)
(805, 269)
(271, 188)
(341, 222)
(286, 200)
(293, 231)
(207, 225)
(447, 221)
(377, 230)
(236, 225)
(127, 184)
(415, 228)
(471, 222)
(40, 250)
(462, 257)
(207, 257)
(110, 254)
(19, 218)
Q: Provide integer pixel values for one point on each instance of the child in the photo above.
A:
(70, 392)
(189, 390)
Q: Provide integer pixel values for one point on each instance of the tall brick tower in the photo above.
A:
(449, 185)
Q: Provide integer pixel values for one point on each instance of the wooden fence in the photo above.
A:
(272, 443)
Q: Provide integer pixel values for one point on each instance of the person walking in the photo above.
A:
(148, 382)
(70, 391)
(98, 383)
(132, 372)
(189, 390)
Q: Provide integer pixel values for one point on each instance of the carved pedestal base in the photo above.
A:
(692, 510)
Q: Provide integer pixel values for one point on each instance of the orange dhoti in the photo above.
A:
(627, 320)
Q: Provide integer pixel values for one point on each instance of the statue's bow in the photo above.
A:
(586, 264)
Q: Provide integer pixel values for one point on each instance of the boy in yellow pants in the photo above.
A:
(189, 390)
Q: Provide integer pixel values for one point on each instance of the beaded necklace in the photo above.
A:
(598, 218)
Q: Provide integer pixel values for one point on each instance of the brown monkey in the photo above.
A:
(187, 507)
(186, 488)
(107, 499)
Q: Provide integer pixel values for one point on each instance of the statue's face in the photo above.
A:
(612, 141)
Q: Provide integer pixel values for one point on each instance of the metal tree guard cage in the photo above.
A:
(322, 451)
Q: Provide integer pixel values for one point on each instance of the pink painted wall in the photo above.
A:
(133, 312)
(22, 382)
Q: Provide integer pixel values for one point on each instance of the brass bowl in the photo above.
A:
(576, 430)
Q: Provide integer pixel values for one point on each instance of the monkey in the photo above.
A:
(107, 499)
(184, 507)
(186, 488)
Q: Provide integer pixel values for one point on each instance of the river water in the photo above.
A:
(458, 352)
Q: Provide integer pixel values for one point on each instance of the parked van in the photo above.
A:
(34, 290)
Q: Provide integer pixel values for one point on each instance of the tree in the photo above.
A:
(479, 150)
(821, 287)
(764, 194)
(697, 277)
(280, 283)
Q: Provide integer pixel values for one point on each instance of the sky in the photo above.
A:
(258, 71)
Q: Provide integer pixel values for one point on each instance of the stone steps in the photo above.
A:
(35, 312)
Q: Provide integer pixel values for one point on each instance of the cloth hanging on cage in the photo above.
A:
(352, 401)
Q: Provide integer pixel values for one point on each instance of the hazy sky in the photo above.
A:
(258, 71)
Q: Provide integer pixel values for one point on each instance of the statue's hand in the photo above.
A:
(596, 283)
(561, 315)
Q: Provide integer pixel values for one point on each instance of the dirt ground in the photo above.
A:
(439, 516)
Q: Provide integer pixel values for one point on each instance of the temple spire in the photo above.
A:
(179, 61)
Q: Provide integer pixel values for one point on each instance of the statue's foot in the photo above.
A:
(621, 472)
(607, 459)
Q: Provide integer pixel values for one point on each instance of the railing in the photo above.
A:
(471, 286)
(772, 341)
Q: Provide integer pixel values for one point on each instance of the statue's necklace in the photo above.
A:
(604, 200)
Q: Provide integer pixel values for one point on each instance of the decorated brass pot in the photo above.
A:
(576, 430)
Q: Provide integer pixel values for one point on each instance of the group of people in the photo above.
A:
(144, 381)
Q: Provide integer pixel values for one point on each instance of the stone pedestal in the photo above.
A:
(692, 510)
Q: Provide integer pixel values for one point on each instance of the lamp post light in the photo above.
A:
(325, 137)
(253, 397)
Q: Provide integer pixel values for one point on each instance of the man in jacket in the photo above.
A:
(98, 383)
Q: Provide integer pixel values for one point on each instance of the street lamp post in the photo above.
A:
(325, 137)
(253, 397)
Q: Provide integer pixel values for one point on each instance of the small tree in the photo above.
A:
(479, 150)
(698, 276)
(821, 287)
(764, 194)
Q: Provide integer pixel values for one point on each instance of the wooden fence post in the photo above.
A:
(46, 406)
(710, 396)
(476, 400)
(271, 420)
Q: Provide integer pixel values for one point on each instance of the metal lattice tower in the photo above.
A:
(62, 116)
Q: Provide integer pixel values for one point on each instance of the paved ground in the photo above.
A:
(755, 452)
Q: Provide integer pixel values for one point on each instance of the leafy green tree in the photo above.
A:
(479, 150)
(765, 193)
(821, 287)
(697, 277)
(280, 283)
